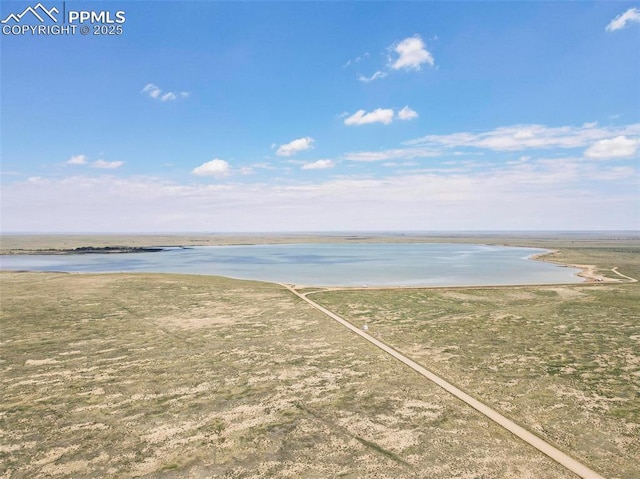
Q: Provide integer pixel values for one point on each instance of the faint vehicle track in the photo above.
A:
(632, 280)
(554, 453)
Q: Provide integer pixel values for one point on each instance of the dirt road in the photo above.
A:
(530, 438)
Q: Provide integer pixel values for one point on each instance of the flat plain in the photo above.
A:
(150, 375)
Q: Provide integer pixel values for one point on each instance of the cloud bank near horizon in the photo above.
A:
(561, 166)
(523, 193)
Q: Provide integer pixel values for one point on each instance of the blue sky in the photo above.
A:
(324, 116)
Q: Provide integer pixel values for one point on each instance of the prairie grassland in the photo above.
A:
(144, 375)
(35, 243)
(149, 375)
(562, 360)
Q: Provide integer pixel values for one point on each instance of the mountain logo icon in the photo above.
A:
(39, 11)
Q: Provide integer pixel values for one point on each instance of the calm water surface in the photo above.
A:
(324, 264)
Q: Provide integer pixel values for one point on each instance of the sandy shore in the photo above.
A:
(587, 271)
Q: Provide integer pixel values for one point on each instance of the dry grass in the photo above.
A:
(32, 243)
(149, 375)
(562, 360)
(191, 376)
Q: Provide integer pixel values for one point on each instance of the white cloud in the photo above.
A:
(618, 147)
(107, 165)
(391, 154)
(295, 146)
(77, 160)
(216, 167)
(379, 115)
(630, 16)
(356, 60)
(375, 76)
(318, 165)
(602, 142)
(522, 137)
(395, 164)
(407, 114)
(412, 54)
(100, 164)
(153, 91)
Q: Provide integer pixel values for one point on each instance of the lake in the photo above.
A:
(361, 264)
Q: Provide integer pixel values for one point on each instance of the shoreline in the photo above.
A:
(122, 244)
(587, 271)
